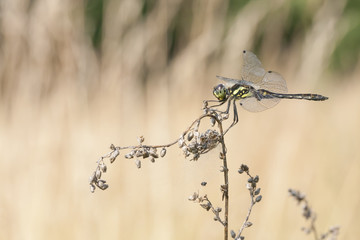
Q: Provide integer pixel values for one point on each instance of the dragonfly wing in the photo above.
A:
(252, 70)
(251, 104)
(273, 82)
(229, 81)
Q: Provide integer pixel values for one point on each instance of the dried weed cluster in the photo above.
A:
(309, 214)
(193, 143)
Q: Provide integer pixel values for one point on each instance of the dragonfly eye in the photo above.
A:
(220, 92)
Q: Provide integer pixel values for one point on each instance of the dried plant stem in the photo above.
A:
(244, 225)
(226, 181)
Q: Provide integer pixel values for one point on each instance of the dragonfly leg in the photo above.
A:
(236, 116)
(216, 105)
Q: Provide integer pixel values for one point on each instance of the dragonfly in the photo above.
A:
(256, 91)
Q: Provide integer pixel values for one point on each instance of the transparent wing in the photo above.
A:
(252, 70)
(229, 81)
(253, 105)
(273, 82)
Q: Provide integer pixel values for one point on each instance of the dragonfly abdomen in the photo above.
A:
(305, 96)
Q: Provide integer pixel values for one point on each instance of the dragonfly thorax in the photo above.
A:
(240, 91)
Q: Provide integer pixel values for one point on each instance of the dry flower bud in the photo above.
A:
(139, 153)
(181, 142)
(233, 234)
(248, 224)
(112, 147)
(206, 206)
(146, 154)
(138, 163)
(190, 136)
(101, 183)
(163, 152)
(258, 198)
(92, 188)
(244, 167)
(257, 191)
(152, 160)
(104, 187)
(213, 121)
(154, 155)
(249, 186)
(98, 173)
(114, 155)
(129, 156)
(140, 139)
(193, 197)
(92, 178)
(103, 167)
(203, 183)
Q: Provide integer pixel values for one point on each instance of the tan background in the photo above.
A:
(64, 101)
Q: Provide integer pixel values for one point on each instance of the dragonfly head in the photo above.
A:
(220, 92)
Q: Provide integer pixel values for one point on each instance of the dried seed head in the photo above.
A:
(138, 163)
(213, 121)
(181, 142)
(240, 171)
(139, 153)
(129, 156)
(297, 195)
(92, 188)
(206, 206)
(152, 160)
(114, 155)
(163, 152)
(112, 147)
(218, 209)
(203, 184)
(152, 150)
(92, 178)
(248, 224)
(154, 155)
(257, 191)
(103, 167)
(249, 186)
(102, 184)
(244, 167)
(258, 198)
(140, 139)
(256, 179)
(223, 188)
(98, 173)
(233, 234)
(190, 136)
(193, 197)
(146, 154)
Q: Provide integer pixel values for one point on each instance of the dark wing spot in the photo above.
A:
(244, 51)
(269, 71)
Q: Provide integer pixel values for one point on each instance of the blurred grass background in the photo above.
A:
(76, 76)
